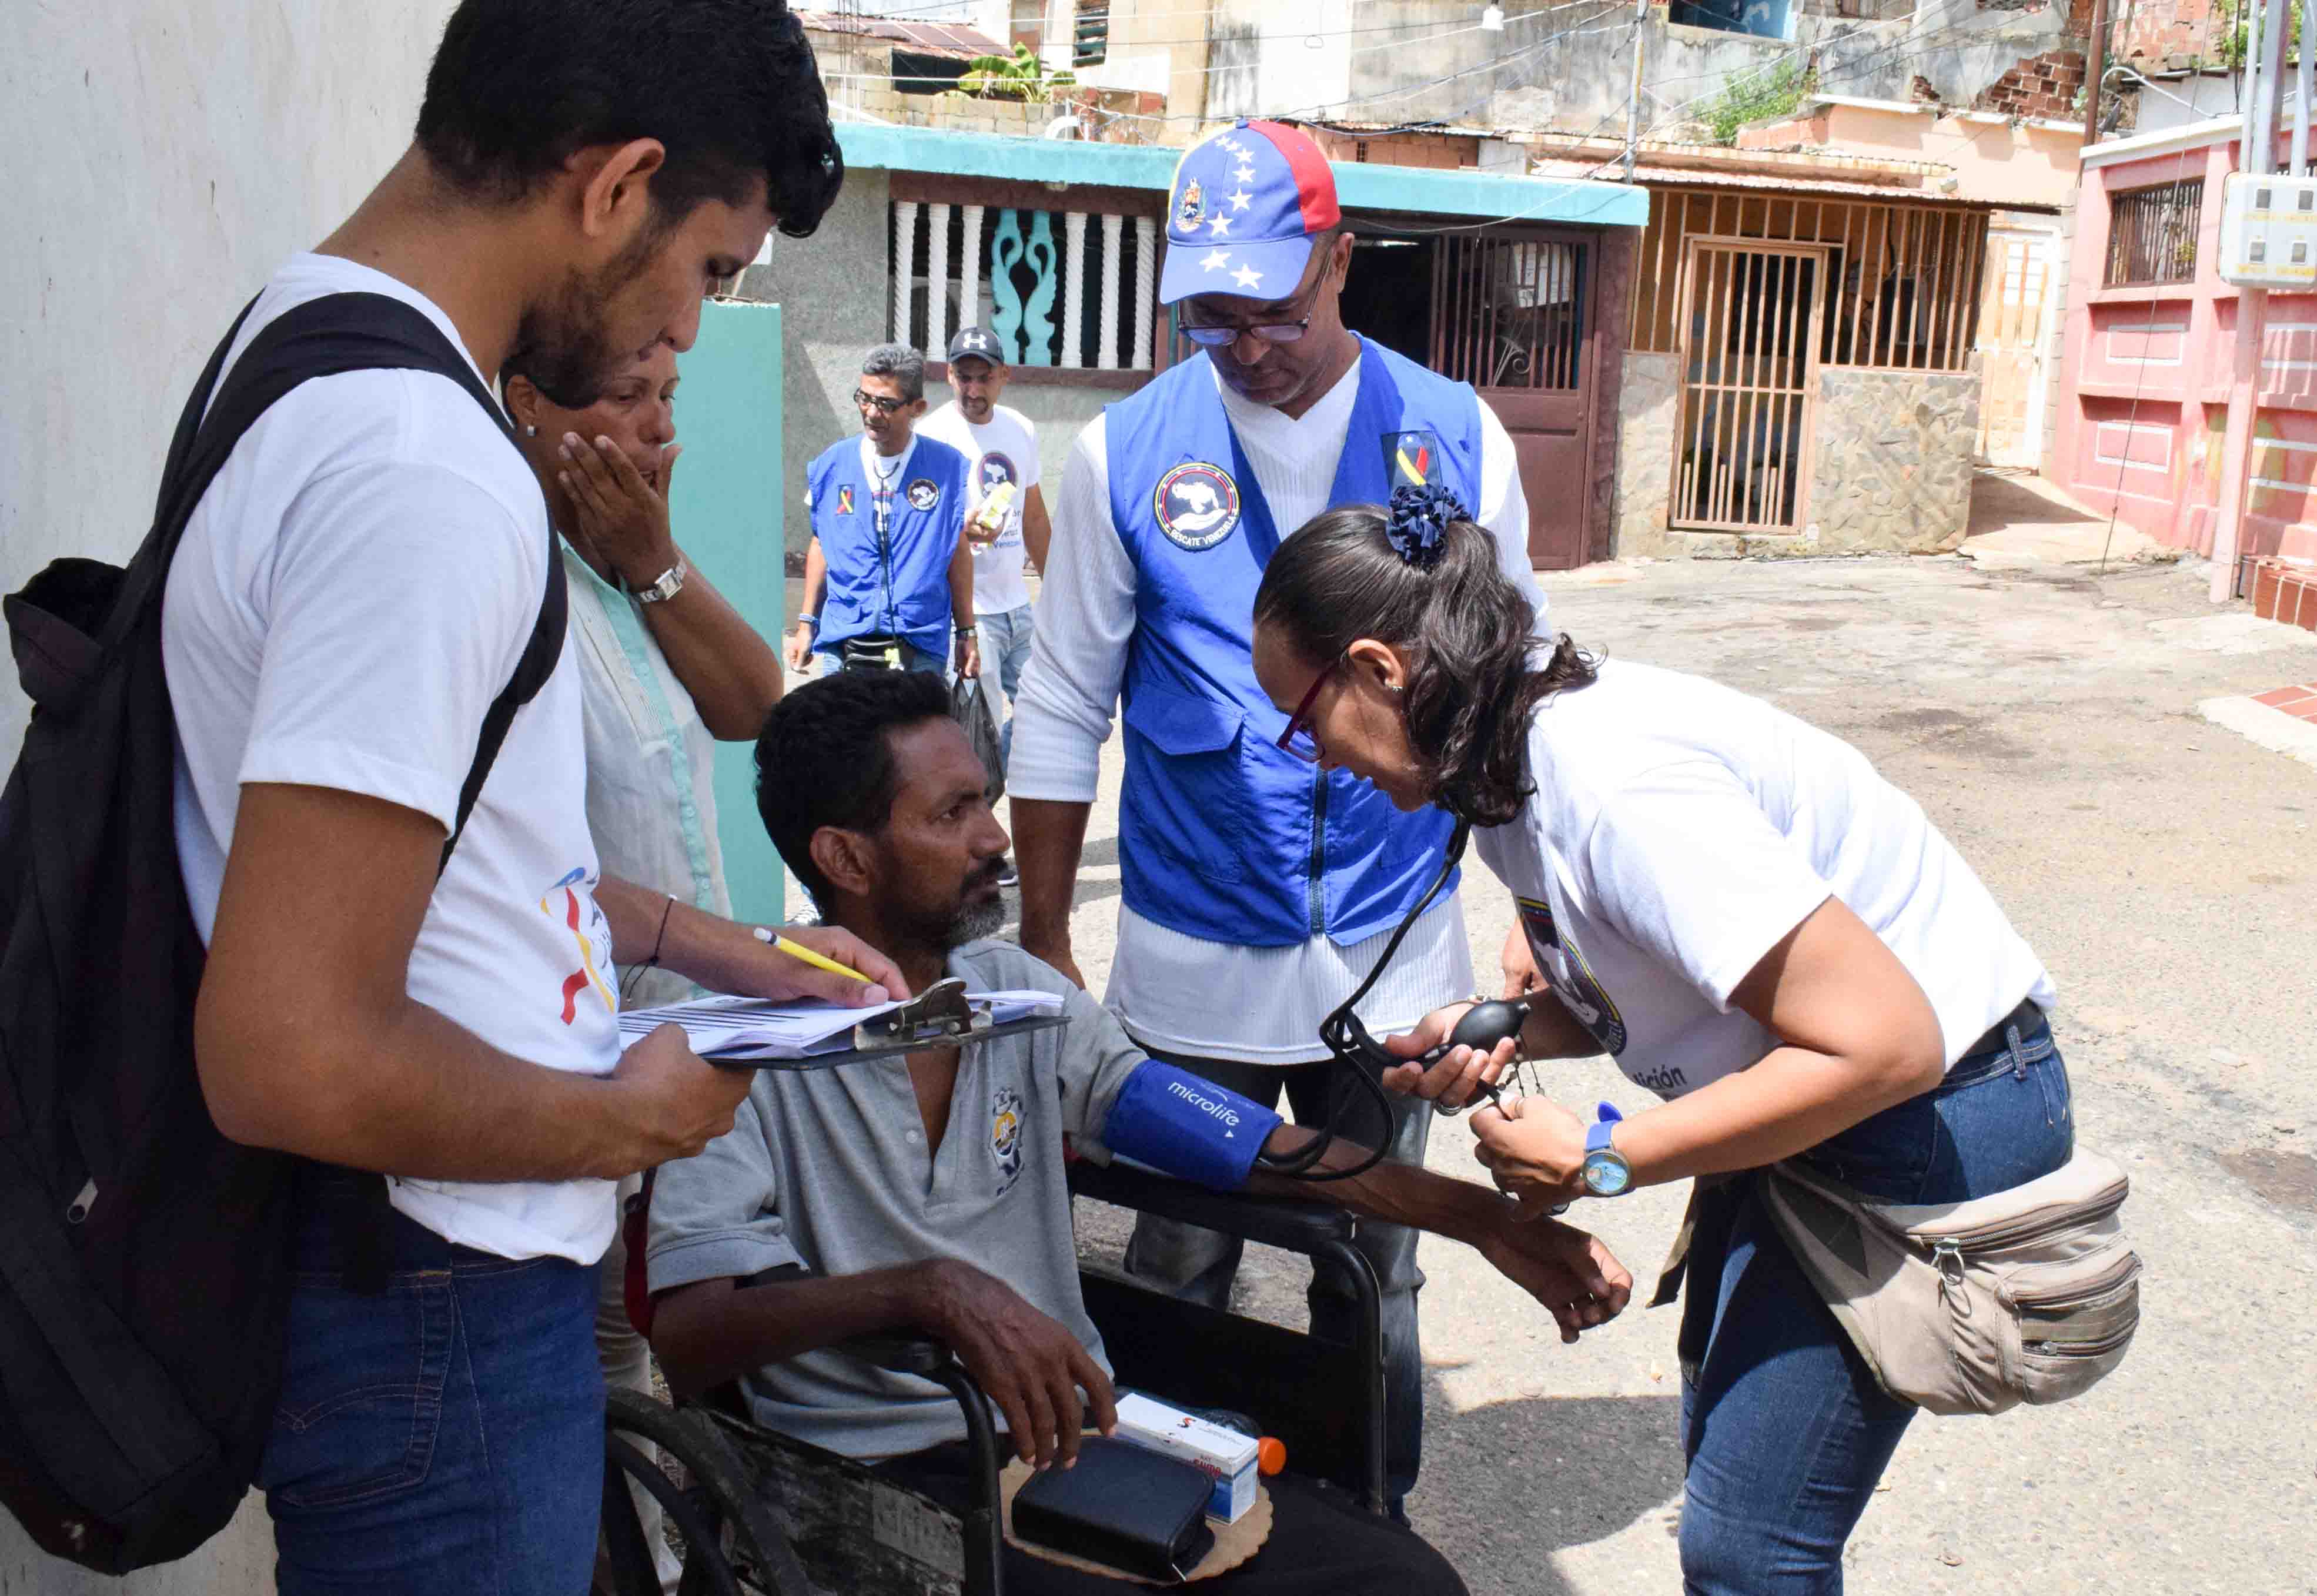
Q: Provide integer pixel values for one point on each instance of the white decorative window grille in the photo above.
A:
(1067, 289)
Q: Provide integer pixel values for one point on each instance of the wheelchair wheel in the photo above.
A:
(731, 1544)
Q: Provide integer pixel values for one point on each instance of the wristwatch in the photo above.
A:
(964, 632)
(1606, 1171)
(670, 584)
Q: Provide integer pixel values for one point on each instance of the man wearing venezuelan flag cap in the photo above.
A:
(1258, 891)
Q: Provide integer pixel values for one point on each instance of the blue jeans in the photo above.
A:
(446, 1436)
(1784, 1428)
(1199, 1265)
(1005, 636)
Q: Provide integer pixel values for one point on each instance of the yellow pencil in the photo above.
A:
(819, 961)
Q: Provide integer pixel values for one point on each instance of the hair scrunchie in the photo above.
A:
(1416, 522)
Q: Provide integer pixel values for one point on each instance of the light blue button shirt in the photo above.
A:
(651, 798)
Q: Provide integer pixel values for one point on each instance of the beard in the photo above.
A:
(975, 917)
(564, 346)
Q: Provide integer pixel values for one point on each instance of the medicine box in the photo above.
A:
(1224, 1456)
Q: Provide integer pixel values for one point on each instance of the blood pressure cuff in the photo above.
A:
(1180, 1124)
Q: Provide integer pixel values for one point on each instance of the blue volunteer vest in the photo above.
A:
(928, 516)
(1221, 835)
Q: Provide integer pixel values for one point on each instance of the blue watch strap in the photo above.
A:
(1605, 1120)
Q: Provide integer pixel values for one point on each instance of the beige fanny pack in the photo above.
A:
(2030, 1295)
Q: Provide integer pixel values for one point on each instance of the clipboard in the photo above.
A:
(940, 1015)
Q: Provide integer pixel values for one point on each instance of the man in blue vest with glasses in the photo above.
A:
(1258, 891)
(889, 575)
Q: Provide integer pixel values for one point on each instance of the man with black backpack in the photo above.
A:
(382, 838)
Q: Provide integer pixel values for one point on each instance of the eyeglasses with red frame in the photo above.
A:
(1299, 739)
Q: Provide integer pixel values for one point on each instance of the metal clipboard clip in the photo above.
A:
(940, 1015)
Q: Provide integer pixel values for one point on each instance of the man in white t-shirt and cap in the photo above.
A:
(1256, 891)
(1006, 514)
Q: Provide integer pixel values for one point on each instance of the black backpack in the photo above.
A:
(144, 1258)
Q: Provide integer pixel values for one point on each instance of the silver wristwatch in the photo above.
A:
(670, 584)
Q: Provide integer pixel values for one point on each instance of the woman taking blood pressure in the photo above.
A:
(1754, 924)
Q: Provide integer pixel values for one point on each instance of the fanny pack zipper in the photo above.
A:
(2027, 1229)
(2109, 1282)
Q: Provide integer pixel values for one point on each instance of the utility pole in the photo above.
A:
(1634, 104)
(2271, 20)
(2096, 72)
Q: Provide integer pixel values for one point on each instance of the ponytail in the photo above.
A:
(1438, 597)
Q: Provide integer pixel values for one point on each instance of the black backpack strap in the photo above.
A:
(531, 674)
(323, 337)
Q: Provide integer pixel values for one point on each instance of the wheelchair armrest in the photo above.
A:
(1292, 1223)
(900, 1351)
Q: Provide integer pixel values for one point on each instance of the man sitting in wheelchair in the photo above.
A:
(928, 1195)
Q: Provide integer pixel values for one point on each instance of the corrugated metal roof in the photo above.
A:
(940, 39)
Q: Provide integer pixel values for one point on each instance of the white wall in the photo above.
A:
(164, 155)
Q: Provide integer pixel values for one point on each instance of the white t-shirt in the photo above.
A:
(1680, 829)
(1177, 992)
(1003, 449)
(354, 589)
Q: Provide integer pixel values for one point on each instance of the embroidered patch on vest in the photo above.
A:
(1197, 505)
(1412, 459)
(1571, 980)
(845, 499)
(923, 494)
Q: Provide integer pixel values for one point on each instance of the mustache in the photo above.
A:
(987, 876)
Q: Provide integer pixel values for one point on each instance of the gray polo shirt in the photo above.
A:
(828, 1170)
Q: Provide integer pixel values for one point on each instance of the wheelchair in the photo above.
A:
(756, 1513)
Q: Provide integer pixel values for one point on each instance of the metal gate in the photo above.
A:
(1751, 314)
(1512, 313)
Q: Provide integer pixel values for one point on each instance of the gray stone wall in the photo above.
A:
(1648, 396)
(1892, 468)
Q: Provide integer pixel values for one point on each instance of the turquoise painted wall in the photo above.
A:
(727, 511)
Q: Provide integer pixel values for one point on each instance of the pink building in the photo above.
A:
(2150, 344)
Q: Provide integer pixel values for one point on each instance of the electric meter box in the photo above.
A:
(2269, 231)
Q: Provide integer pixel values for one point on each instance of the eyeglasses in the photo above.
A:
(1211, 336)
(1299, 739)
(877, 402)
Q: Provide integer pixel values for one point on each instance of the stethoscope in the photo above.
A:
(1363, 1059)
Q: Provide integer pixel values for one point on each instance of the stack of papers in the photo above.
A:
(751, 1028)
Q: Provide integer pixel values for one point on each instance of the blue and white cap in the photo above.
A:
(1242, 212)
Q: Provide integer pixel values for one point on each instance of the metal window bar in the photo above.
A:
(2152, 232)
(1753, 313)
(1511, 311)
(1898, 288)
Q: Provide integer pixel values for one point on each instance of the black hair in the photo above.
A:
(1465, 630)
(826, 758)
(728, 86)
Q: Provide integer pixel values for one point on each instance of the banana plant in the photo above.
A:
(1021, 77)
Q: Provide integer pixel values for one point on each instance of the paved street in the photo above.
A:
(2166, 870)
